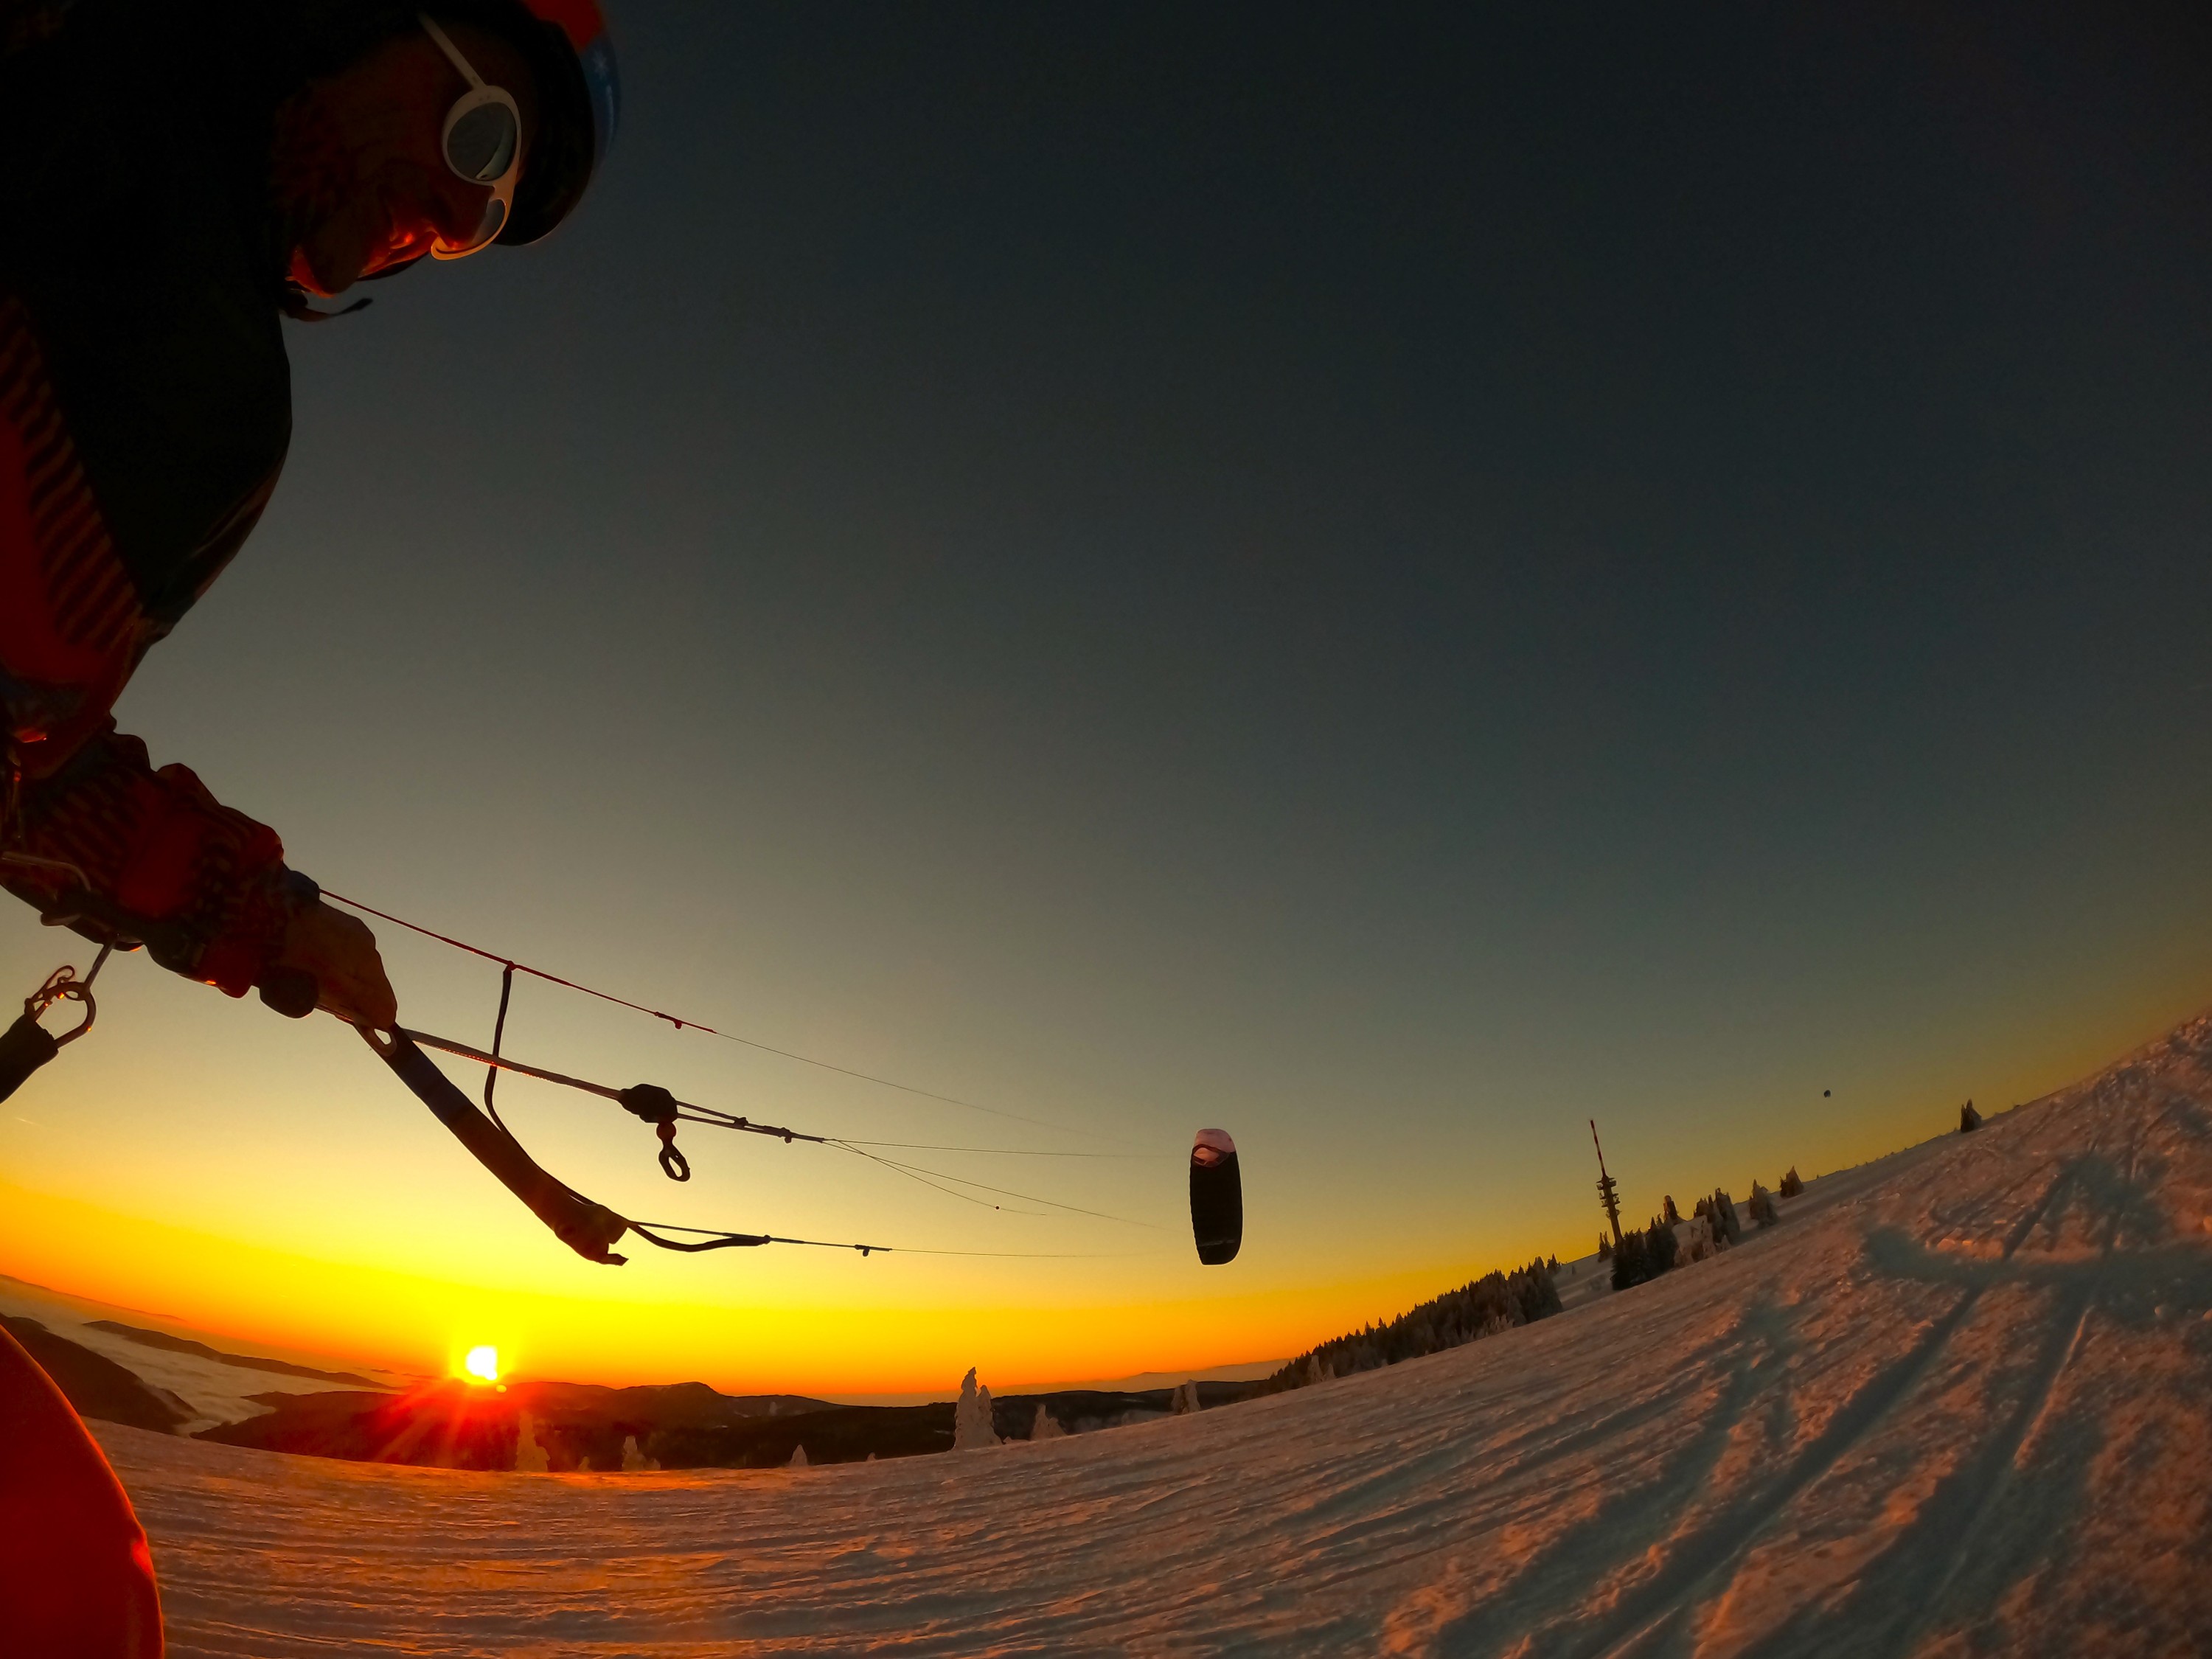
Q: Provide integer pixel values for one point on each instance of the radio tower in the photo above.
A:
(1607, 1192)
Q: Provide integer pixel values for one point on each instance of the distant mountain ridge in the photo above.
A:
(145, 1338)
(460, 1425)
(683, 1426)
(94, 1384)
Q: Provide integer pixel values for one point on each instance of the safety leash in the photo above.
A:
(27, 1045)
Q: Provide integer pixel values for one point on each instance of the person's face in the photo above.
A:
(358, 171)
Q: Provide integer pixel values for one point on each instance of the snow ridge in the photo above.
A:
(1961, 1403)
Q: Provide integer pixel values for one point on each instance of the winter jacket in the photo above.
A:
(145, 407)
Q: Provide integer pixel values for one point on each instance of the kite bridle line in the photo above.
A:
(510, 967)
(657, 1106)
(589, 1228)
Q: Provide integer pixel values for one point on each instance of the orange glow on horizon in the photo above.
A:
(425, 1327)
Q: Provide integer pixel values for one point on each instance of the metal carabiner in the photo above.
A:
(63, 985)
(27, 1045)
(75, 992)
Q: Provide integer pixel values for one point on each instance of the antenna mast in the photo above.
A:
(1607, 1190)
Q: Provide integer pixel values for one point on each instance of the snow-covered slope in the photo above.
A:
(1959, 1403)
(209, 1391)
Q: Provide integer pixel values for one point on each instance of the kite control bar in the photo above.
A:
(588, 1229)
(648, 1100)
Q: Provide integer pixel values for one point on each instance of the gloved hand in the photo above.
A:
(336, 954)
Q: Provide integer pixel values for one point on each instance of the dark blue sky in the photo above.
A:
(1394, 577)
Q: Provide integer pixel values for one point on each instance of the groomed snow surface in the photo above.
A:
(1959, 1403)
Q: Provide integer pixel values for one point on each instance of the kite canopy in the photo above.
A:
(1217, 1197)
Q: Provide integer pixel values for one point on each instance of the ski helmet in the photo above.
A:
(580, 95)
(572, 63)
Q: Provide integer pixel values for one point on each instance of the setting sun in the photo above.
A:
(481, 1364)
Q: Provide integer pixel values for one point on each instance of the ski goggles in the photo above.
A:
(482, 142)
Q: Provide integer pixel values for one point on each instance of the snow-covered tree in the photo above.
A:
(1184, 1401)
(1631, 1262)
(529, 1455)
(971, 1417)
(797, 1458)
(1695, 1240)
(634, 1461)
(1726, 1227)
(1045, 1427)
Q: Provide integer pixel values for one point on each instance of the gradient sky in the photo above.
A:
(1390, 579)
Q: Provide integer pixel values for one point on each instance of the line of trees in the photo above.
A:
(1499, 1301)
(1483, 1307)
(1644, 1254)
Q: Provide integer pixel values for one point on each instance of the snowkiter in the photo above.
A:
(176, 178)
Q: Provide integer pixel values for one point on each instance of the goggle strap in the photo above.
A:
(476, 83)
(453, 53)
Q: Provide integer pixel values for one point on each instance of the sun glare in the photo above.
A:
(481, 1364)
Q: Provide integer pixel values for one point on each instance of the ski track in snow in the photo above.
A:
(1959, 1403)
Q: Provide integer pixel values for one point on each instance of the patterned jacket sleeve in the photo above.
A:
(86, 813)
(154, 844)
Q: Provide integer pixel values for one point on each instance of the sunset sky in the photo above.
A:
(1391, 580)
